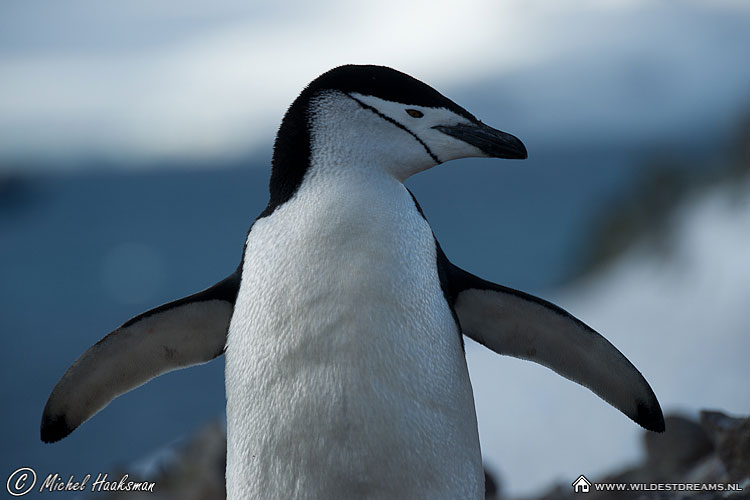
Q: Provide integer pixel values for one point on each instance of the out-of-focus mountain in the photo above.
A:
(644, 214)
(671, 292)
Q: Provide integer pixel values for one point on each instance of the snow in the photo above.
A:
(683, 319)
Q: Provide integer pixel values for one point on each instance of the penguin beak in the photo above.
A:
(490, 141)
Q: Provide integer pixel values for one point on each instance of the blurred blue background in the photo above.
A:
(135, 141)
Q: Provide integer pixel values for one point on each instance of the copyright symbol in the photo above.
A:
(21, 481)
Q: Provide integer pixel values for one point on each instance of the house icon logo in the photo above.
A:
(581, 485)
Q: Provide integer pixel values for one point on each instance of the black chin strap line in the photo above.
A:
(402, 127)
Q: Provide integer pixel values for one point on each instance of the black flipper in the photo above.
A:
(517, 324)
(186, 332)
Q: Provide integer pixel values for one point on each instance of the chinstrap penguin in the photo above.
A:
(342, 326)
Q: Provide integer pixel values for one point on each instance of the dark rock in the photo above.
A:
(731, 437)
(491, 486)
(714, 451)
(195, 470)
(675, 451)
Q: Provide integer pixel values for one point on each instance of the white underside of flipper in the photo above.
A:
(345, 373)
(183, 333)
(520, 325)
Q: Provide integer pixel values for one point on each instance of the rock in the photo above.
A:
(675, 451)
(491, 486)
(715, 450)
(731, 438)
(194, 471)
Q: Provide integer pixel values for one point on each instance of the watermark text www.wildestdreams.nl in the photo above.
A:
(583, 485)
(24, 480)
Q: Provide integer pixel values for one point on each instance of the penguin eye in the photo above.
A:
(415, 113)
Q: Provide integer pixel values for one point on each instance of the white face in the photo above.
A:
(352, 126)
(442, 145)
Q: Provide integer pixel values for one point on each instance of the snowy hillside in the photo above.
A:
(683, 319)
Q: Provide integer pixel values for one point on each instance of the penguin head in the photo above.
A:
(378, 118)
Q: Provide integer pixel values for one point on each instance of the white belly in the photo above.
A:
(345, 375)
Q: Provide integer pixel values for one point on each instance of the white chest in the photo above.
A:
(345, 375)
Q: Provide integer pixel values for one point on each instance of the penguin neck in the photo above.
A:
(314, 140)
(331, 174)
(291, 155)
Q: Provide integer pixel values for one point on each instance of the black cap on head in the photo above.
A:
(385, 83)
